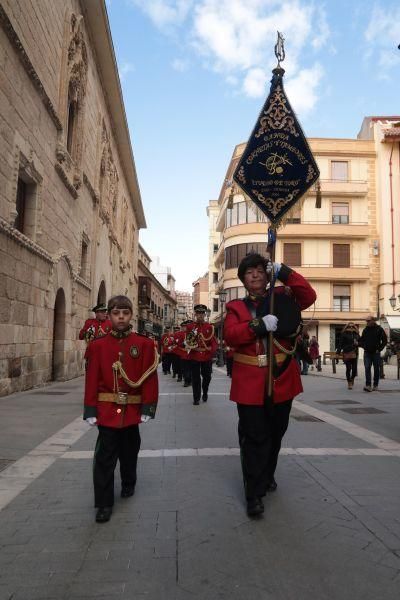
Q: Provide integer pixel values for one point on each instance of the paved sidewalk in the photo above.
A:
(330, 532)
(390, 372)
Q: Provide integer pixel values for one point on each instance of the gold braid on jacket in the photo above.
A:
(118, 369)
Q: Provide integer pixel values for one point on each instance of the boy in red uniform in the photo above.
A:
(248, 321)
(121, 391)
(98, 327)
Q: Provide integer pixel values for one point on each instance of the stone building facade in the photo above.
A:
(70, 205)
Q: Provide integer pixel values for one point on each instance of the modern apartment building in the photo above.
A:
(336, 247)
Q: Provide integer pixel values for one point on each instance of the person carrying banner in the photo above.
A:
(121, 391)
(247, 323)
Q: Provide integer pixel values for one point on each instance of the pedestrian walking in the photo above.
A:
(201, 343)
(185, 356)
(176, 353)
(121, 391)
(314, 352)
(348, 347)
(373, 340)
(248, 321)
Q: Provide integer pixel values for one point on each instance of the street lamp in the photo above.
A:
(220, 353)
(392, 301)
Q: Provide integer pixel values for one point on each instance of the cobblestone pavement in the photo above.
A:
(331, 530)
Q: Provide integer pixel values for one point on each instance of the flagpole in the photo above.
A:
(271, 246)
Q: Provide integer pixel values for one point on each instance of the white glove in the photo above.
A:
(277, 268)
(91, 420)
(270, 322)
(145, 418)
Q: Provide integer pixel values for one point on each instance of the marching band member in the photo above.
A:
(201, 346)
(248, 321)
(121, 391)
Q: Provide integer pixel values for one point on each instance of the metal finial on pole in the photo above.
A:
(280, 48)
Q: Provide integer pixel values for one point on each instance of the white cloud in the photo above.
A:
(254, 84)
(302, 90)
(383, 36)
(236, 38)
(165, 13)
(180, 64)
(124, 69)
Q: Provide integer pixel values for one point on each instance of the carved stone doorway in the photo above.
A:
(58, 355)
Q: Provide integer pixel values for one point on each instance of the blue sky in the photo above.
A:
(195, 74)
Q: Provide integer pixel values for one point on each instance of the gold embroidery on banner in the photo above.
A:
(277, 116)
(274, 163)
(311, 173)
(274, 205)
(241, 176)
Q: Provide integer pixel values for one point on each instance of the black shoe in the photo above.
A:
(272, 485)
(196, 402)
(205, 398)
(173, 376)
(186, 384)
(255, 507)
(127, 491)
(103, 514)
(179, 379)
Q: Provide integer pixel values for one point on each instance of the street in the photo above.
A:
(330, 531)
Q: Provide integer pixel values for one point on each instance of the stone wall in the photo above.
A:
(76, 194)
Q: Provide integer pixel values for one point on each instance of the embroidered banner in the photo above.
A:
(277, 166)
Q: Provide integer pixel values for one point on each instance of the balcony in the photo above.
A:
(337, 187)
(328, 272)
(331, 315)
(324, 229)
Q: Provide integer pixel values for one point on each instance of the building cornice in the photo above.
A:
(29, 68)
(98, 27)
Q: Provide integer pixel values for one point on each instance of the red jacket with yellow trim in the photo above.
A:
(137, 355)
(99, 328)
(248, 381)
(202, 335)
(166, 343)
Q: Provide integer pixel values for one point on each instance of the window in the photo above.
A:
(215, 277)
(215, 304)
(340, 213)
(25, 212)
(84, 259)
(341, 298)
(251, 215)
(292, 255)
(71, 126)
(234, 215)
(234, 254)
(339, 170)
(20, 205)
(294, 215)
(242, 213)
(215, 248)
(341, 255)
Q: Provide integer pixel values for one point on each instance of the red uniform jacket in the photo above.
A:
(179, 344)
(248, 381)
(137, 356)
(202, 336)
(100, 328)
(166, 343)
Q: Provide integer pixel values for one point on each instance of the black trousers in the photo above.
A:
(166, 363)
(186, 371)
(201, 377)
(112, 445)
(351, 369)
(260, 438)
(176, 365)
